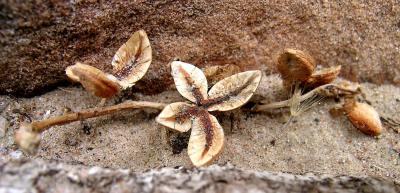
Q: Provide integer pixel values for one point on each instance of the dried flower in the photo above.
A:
(130, 63)
(207, 136)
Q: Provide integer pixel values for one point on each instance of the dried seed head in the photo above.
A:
(322, 77)
(94, 80)
(132, 59)
(217, 73)
(27, 139)
(363, 117)
(295, 65)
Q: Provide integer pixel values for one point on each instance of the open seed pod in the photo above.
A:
(322, 77)
(130, 64)
(363, 117)
(295, 65)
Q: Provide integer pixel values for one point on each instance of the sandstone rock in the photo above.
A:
(40, 39)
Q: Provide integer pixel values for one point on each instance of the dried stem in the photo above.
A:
(327, 90)
(40, 126)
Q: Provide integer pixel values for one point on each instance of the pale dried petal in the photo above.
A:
(94, 80)
(206, 140)
(234, 91)
(190, 81)
(132, 59)
(177, 116)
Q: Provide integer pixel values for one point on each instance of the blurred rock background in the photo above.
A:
(38, 39)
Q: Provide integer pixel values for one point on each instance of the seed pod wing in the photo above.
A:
(190, 81)
(94, 80)
(323, 76)
(206, 140)
(176, 116)
(234, 91)
(132, 59)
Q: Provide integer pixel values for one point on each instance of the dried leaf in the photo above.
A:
(323, 76)
(94, 80)
(190, 81)
(207, 139)
(176, 116)
(132, 59)
(233, 92)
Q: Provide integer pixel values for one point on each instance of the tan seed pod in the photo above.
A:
(295, 65)
(363, 117)
(206, 140)
(322, 77)
(27, 139)
(132, 60)
(234, 91)
(94, 80)
(176, 116)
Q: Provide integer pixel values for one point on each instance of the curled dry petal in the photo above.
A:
(176, 116)
(233, 92)
(27, 139)
(132, 59)
(364, 117)
(190, 81)
(206, 140)
(295, 65)
(94, 80)
(323, 76)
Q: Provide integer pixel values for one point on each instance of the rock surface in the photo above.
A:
(38, 39)
(41, 176)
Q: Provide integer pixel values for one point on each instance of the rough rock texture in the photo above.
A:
(40, 176)
(38, 39)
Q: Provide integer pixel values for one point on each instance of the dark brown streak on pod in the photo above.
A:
(126, 70)
(196, 91)
(218, 100)
(207, 124)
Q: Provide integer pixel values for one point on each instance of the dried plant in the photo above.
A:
(207, 136)
(363, 116)
(130, 64)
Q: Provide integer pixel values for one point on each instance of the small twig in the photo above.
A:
(327, 90)
(40, 126)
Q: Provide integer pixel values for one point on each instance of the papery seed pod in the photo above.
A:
(322, 77)
(363, 117)
(27, 139)
(132, 60)
(295, 65)
(94, 80)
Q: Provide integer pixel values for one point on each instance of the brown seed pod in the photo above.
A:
(94, 80)
(323, 76)
(363, 117)
(295, 65)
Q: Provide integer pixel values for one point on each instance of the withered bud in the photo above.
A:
(27, 139)
(94, 80)
(323, 76)
(295, 65)
(363, 116)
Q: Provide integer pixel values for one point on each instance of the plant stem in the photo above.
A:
(40, 126)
